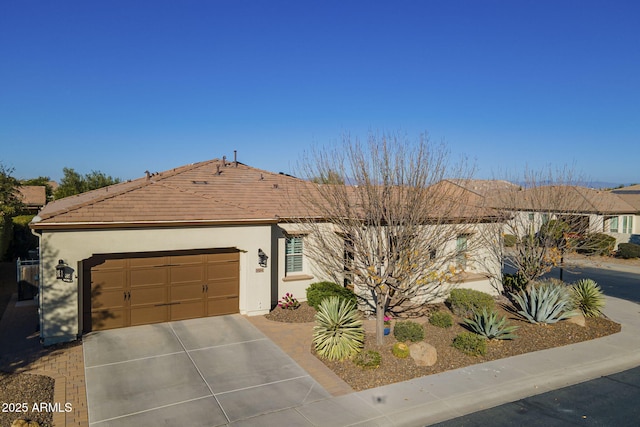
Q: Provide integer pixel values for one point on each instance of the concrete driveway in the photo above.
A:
(201, 372)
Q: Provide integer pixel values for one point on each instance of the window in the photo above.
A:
(545, 218)
(532, 216)
(613, 224)
(461, 250)
(627, 224)
(293, 254)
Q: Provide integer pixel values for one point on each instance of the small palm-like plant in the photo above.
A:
(338, 333)
(491, 326)
(544, 302)
(587, 297)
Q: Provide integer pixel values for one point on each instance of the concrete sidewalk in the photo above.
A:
(447, 395)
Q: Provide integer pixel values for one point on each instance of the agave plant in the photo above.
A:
(587, 297)
(338, 333)
(544, 303)
(491, 326)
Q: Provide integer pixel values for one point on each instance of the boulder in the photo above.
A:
(424, 354)
(578, 319)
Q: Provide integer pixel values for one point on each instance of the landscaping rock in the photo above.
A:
(578, 319)
(424, 354)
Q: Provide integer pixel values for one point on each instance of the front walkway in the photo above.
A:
(22, 352)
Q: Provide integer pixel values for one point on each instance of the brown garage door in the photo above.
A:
(137, 290)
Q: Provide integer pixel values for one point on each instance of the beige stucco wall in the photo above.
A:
(59, 304)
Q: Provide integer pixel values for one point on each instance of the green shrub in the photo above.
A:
(408, 330)
(510, 240)
(490, 326)
(441, 319)
(544, 302)
(628, 250)
(587, 297)
(597, 244)
(470, 343)
(400, 350)
(464, 302)
(513, 282)
(369, 359)
(318, 291)
(338, 333)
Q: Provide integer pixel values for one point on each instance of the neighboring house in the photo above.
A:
(206, 239)
(34, 197)
(627, 227)
(585, 210)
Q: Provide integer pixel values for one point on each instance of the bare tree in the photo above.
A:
(385, 223)
(547, 215)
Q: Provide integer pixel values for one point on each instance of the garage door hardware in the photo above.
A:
(205, 288)
(167, 303)
(127, 296)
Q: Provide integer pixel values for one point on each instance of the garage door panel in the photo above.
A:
(225, 288)
(187, 310)
(108, 299)
(135, 263)
(186, 292)
(222, 270)
(108, 319)
(222, 305)
(149, 314)
(148, 276)
(149, 295)
(187, 274)
(222, 256)
(185, 259)
(109, 280)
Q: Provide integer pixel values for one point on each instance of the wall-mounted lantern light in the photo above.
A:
(262, 258)
(63, 272)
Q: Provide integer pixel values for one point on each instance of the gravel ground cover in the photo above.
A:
(21, 391)
(531, 337)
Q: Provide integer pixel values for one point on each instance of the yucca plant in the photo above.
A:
(587, 297)
(544, 302)
(491, 326)
(338, 333)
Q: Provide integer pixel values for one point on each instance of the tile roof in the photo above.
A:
(562, 198)
(203, 192)
(33, 195)
(630, 195)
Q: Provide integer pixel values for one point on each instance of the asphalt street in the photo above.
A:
(608, 401)
(612, 400)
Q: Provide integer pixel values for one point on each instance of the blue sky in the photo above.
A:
(126, 86)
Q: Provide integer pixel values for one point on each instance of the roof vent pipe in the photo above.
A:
(224, 161)
(148, 175)
(217, 169)
(235, 158)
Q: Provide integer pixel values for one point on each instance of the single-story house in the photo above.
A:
(206, 239)
(34, 197)
(626, 227)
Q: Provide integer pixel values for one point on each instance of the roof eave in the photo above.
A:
(39, 226)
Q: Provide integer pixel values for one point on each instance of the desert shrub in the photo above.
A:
(514, 282)
(464, 302)
(470, 343)
(338, 333)
(400, 350)
(587, 297)
(441, 319)
(491, 326)
(597, 244)
(318, 291)
(510, 240)
(544, 302)
(369, 359)
(628, 250)
(408, 330)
